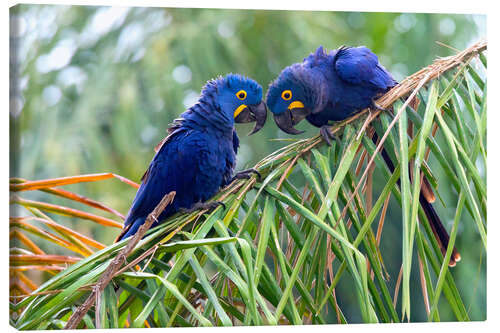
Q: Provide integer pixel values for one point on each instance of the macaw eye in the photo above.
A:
(242, 94)
(286, 95)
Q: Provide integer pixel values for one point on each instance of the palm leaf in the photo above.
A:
(278, 251)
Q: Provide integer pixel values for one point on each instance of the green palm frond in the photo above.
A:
(278, 251)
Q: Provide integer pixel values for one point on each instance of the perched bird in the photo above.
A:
(198, 155)
(327, 87)
(332, 86)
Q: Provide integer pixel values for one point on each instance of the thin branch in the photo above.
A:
(396, 289)
(425, 295)
(116, 263)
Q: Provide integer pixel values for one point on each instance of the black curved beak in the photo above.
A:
(289, 118)
(255, 112)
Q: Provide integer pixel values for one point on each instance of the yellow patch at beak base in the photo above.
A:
(295, 105)
(239, 109)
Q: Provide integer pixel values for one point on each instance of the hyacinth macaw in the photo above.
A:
(332, 86)
(327, 86)
(198, 155)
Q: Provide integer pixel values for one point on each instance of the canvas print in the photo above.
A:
(181, 167)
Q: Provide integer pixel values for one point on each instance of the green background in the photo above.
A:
(94, 88)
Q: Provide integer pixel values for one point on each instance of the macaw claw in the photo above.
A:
(326, 134)
(210, 206)
(245, 174)
(378, 107)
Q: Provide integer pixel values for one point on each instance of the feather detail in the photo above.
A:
(198, 155)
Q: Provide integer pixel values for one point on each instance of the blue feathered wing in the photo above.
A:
(360, 66)
(189, 162)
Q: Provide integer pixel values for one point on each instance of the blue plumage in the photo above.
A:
(331, 87)
(327, 86)
(198, 156)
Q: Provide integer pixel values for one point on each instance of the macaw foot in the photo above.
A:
(245, 174)
(211, 205)
(377, 107)
(326, 134)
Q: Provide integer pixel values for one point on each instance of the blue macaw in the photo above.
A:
(198, 155)
(332, 86)
(327, 86)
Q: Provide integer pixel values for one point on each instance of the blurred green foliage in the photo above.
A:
(94, 88)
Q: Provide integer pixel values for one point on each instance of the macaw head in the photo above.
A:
(240, 99)
(294, 95)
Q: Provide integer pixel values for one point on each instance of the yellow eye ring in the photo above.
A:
(242, 94)
(286, 95)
